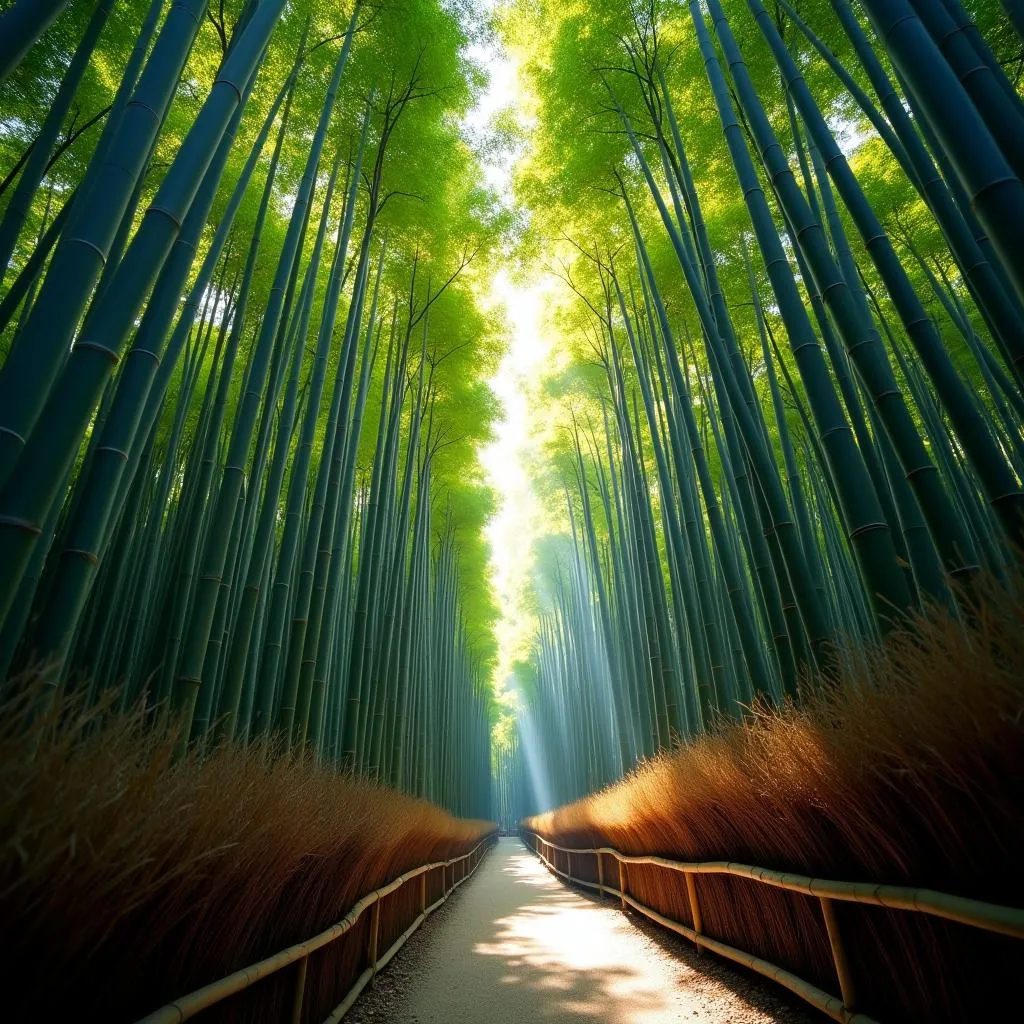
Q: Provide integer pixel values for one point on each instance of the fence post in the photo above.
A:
(423, 892)
(623, 882)
(691, 891)
(568, 867)
(835, 939)
(374, 931)
(300, 991)
(600, 873)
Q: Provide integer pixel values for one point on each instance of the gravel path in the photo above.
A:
(515, 945)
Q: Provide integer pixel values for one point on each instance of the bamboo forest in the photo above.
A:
(573, 449)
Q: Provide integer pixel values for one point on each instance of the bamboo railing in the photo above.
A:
(461, 868)
(987, 916)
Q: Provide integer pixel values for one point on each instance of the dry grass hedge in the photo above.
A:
(909, 771)
(128, 879)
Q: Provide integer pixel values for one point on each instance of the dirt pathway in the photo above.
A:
(515, 945)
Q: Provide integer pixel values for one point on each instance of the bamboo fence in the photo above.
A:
(455, 872)
(988, 916)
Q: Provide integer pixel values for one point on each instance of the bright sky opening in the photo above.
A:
(516, 523)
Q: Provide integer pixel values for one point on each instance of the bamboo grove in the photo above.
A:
(242, 381)
(788, 411)
(244, 360)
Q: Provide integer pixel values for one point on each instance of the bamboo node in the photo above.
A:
(20, 524)
(169, 214)
(87, 556)
(91, 245)
(103, 350)
(113, 450)
(867, 528)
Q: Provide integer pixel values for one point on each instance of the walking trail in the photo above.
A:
(515, 945)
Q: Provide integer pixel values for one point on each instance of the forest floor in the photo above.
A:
(515, 945)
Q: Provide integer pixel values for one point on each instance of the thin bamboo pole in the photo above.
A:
(835, 938)
(691, 892)
(374, 935)
(300, 990)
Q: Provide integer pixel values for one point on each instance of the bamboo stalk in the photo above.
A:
(374, 934)
(300, 990)
(835, 939)
(691, 892)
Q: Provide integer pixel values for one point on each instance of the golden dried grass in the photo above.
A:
(128, 878)
(910, 771)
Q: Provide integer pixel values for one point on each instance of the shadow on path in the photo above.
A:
(516, 945)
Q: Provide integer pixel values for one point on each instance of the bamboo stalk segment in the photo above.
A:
(835, 939)
(300, 990)
(374, 933)
(691, 892)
